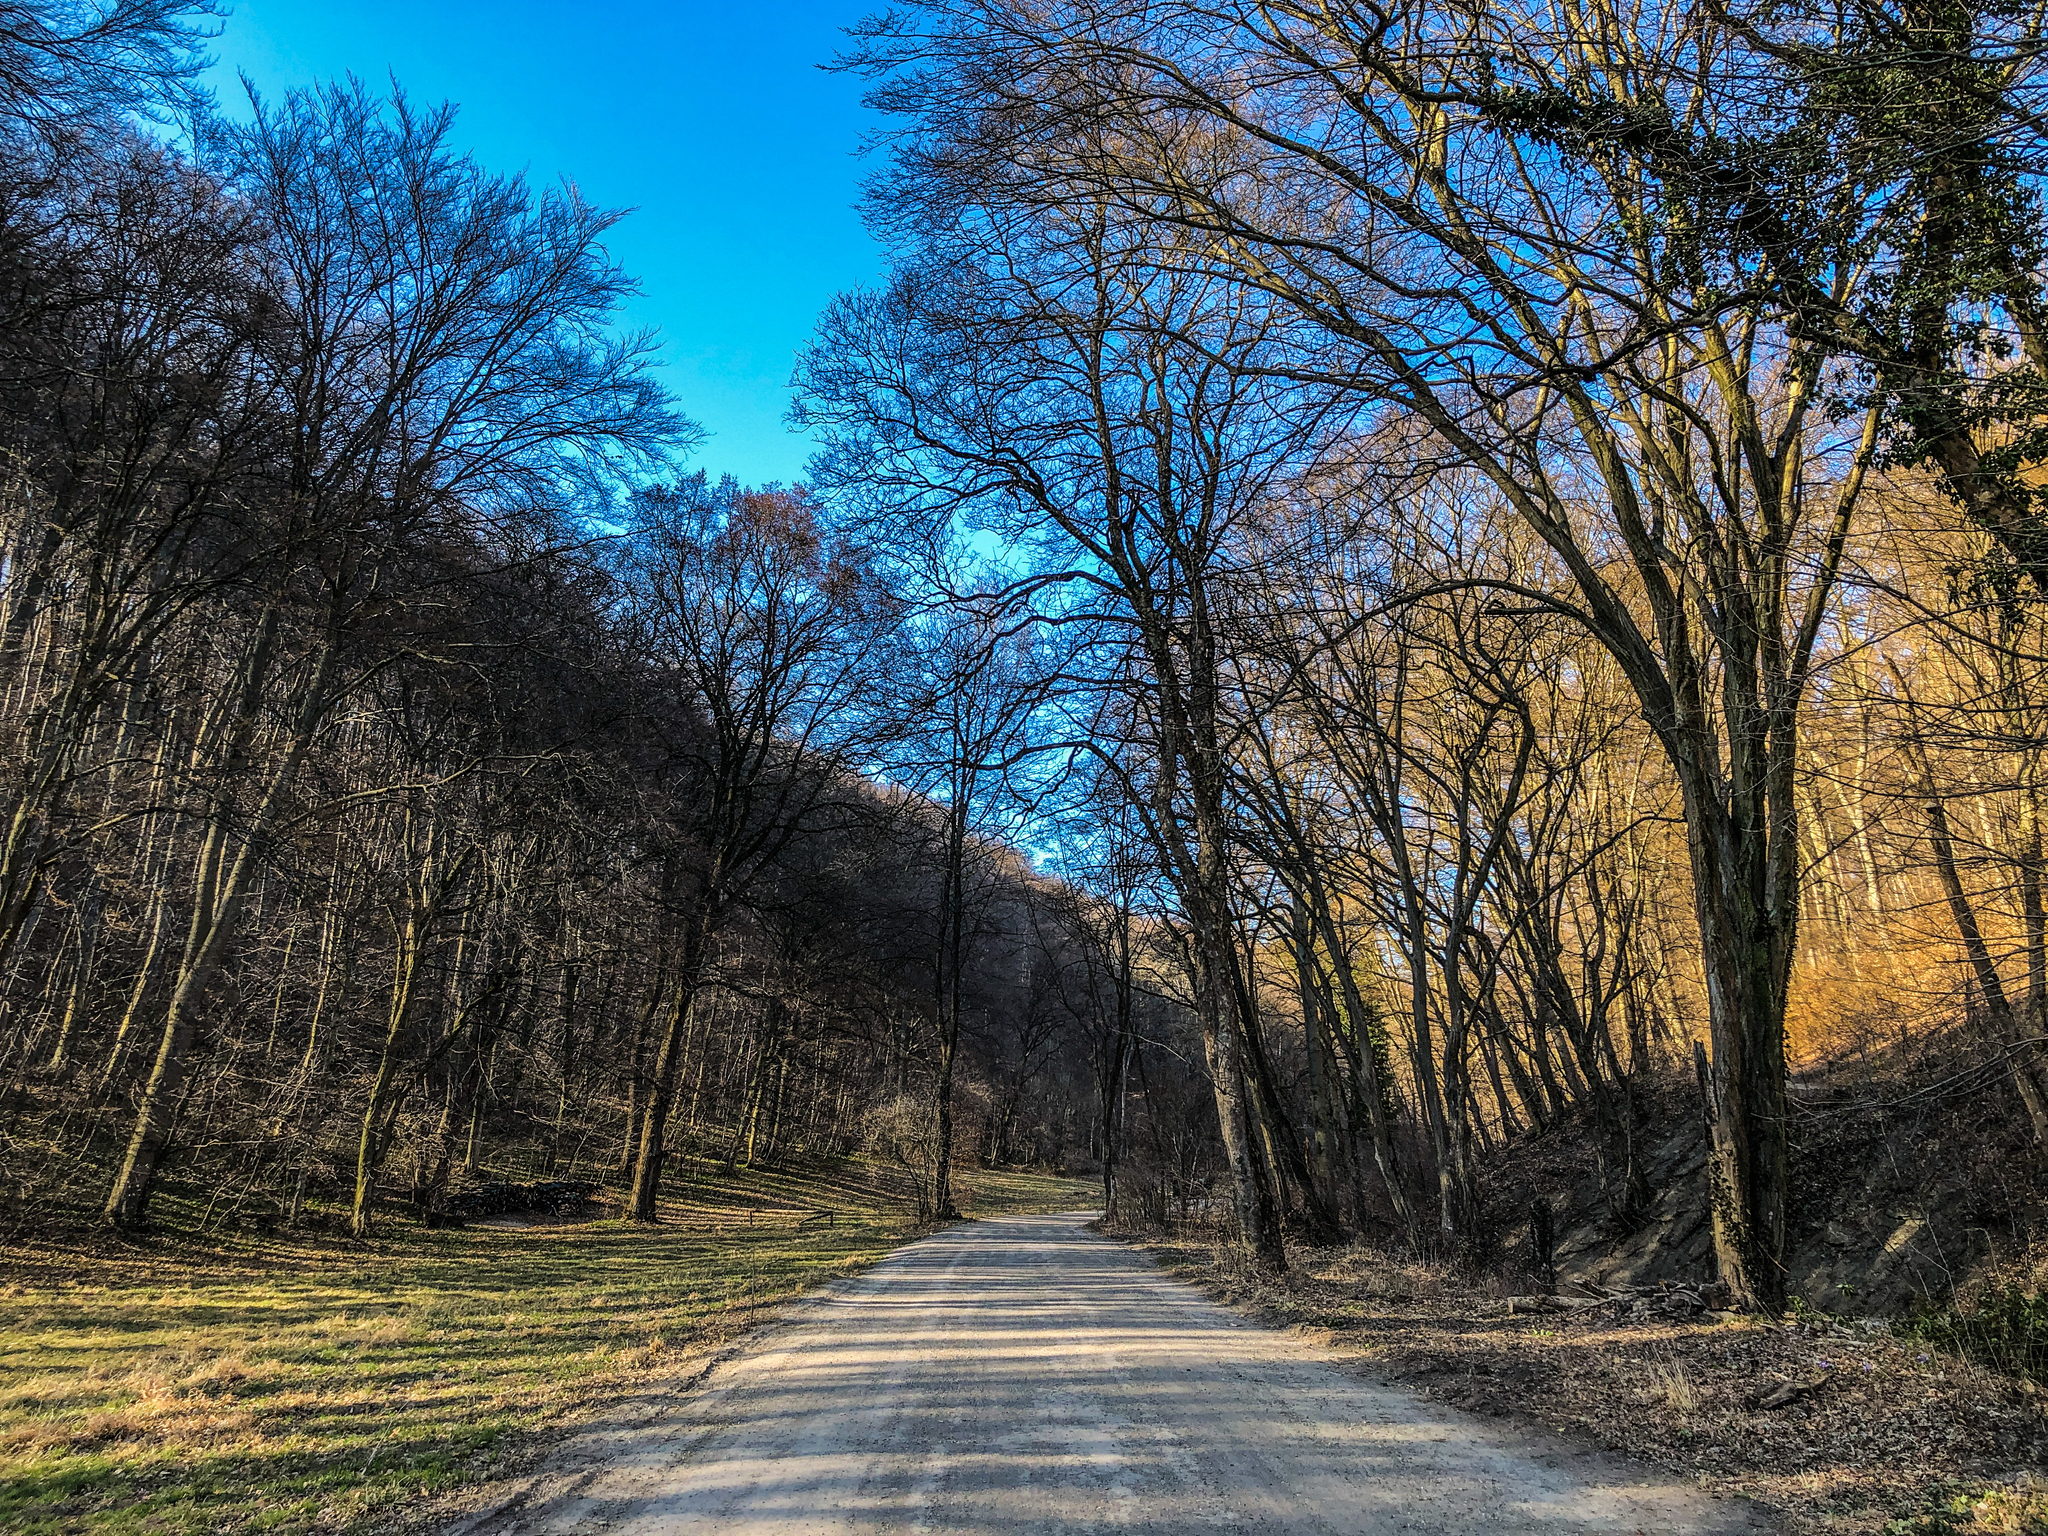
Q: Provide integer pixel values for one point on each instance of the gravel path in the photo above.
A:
(1022, 1376)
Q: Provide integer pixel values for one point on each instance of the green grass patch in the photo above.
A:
(987, 1192)
(306, 1383)
(1970, 1509)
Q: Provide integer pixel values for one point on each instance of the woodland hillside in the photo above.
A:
(1399, 611)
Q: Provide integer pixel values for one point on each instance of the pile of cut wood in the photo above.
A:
(555, 1197)
(1626, 1303)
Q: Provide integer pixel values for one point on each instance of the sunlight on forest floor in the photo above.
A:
(299, 1383)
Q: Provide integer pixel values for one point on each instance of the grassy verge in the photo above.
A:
(989, 1193)
(306, 1383)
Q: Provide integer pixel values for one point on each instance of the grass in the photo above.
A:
(308, 1383)
(1970, 1509)
(1673, 1387)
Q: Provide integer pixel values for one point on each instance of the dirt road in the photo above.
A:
(1022, 1376)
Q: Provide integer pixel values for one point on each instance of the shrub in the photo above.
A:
(2006, 1328)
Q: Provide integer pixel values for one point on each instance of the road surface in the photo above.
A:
(1020, 1376)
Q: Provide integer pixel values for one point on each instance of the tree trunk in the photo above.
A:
(1372, 1085)
(213, 922)
(1996, 1000)
(951, 958)
(1283, 1145)
(668, 1064)
(1222, 1053)
(1746, 934)
(216, 908)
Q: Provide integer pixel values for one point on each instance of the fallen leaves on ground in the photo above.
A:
(1838, 1427)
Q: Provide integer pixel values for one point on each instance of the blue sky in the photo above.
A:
(712, 120)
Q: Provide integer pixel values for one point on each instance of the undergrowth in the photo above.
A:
(2004, 1327)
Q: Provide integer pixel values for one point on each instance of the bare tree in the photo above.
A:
(1647, 405)
(968, 737)
(1048, 382)
(764, 632)
(436, 362)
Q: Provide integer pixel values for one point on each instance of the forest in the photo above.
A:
(1380, 583)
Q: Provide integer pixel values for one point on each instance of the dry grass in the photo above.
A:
(1669, 1386)
(2018, 1511)
(1896, 1437)
(308, 1384)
